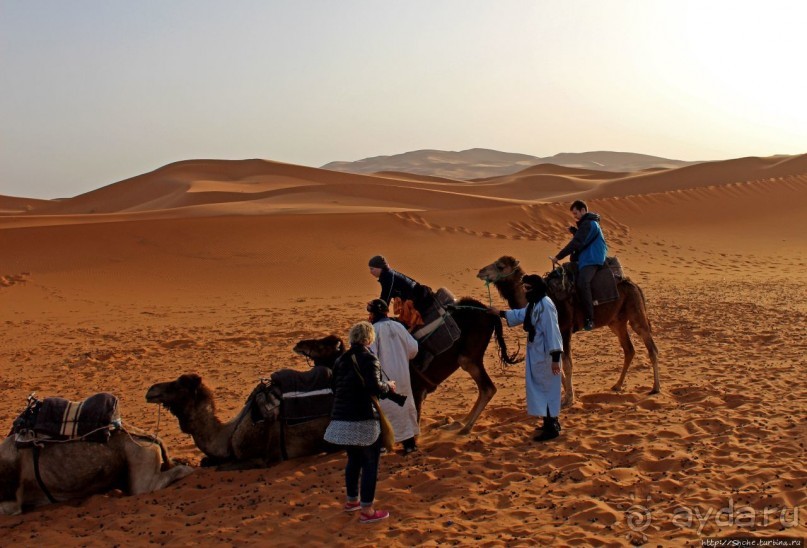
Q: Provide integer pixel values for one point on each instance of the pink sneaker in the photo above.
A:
(352, 506)
(378, 515)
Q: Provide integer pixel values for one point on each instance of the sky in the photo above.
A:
(96, 91)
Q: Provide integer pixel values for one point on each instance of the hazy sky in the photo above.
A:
(95, 91)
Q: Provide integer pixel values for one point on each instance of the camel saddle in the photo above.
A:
(440, 331)
(561, 281)
(295, 396)
(58, 419)
(316, 378)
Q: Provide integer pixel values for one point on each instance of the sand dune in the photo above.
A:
(11, 205)
(210, 188)
(478, 163)
(220, 267)
(705, 174)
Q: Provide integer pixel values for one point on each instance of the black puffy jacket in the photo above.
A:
(351, 401)
(394, 284)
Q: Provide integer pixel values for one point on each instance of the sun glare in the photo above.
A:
(745, 62)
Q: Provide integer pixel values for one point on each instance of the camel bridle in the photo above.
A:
(488, 282)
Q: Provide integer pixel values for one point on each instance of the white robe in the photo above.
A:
(394, 347)
(543, 387)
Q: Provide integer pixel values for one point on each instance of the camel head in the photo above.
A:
(505, 268)
(506, 275)
(182, 396)
(323, 351)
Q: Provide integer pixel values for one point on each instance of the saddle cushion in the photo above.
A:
(316, 378)
(562, 285)
(61, 419)
(440, 331)
(304, 395)
(603, 287)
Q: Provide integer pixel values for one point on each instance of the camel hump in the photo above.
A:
(57, 418)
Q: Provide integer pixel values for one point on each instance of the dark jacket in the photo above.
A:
(588, 244)
(351, 398)
(394, 284)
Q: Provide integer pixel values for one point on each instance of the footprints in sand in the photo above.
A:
(419, 221)
(545, 221)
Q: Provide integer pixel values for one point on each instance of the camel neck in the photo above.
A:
(208, 432)
(510, 291)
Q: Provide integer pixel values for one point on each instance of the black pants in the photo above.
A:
(584, 277)
(362, 461)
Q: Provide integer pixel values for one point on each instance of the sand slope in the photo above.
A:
(88, 304)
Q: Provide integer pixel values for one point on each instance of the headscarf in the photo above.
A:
(534, 295)
(537, 287)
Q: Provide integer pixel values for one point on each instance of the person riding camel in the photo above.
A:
(398, 291)
(588, 249)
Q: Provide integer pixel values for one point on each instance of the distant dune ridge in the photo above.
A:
(478, 163)
(260, 187)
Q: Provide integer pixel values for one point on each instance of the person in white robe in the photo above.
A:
(394, 347)
(544, 349)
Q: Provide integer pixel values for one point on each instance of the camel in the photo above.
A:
(78, 469)
(629, 308)
(240, 443)
(477, 326)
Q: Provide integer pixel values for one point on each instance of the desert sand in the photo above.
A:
(220, 267)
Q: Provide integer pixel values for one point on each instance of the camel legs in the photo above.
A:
(643, 330)
(12, 507)
(620, 329)
(144, 469)
(486, 390)
(568, 388)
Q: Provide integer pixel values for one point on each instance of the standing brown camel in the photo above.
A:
(468, 352)
(78, 469)
(629, 308)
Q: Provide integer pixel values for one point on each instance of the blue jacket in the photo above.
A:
(588, 243)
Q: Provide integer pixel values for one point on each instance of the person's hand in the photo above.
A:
(556, 368)
(493, 310)
(554, 259)
(573, 230)
(391, 385)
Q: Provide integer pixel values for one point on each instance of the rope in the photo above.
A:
(69, 440)
(159, 410)
(467, 307)
(152, 439)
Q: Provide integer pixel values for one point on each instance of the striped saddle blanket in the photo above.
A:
(91, 419)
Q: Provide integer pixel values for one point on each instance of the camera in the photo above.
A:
(400, 399)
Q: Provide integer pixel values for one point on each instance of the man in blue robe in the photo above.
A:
(544, 349)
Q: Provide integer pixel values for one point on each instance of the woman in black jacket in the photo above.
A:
(354, 422)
